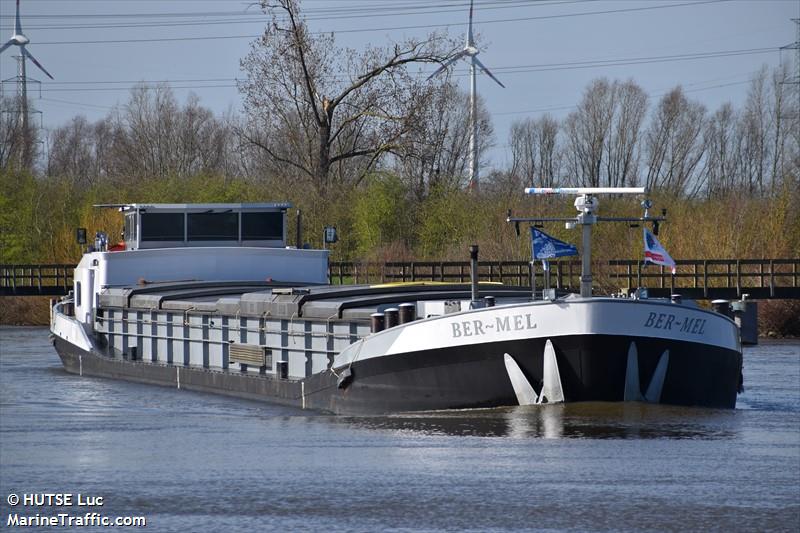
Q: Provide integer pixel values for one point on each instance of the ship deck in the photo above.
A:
(281, 300)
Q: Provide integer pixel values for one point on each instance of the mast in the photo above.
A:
(586, 206)
(587, 203)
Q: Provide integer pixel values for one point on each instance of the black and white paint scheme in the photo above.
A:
(253, 318)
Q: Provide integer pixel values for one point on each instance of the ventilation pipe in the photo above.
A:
(299, 233)
(473, 257)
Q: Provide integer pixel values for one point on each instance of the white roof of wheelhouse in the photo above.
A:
(199, 207)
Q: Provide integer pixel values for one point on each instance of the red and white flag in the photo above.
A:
(655, 253)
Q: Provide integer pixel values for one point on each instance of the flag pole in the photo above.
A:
(546, 267)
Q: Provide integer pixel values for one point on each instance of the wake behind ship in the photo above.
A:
(209, 297)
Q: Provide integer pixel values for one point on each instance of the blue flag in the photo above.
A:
(546, 247)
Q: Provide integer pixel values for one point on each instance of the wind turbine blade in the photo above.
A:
(486, 70)
(8, 43)
(17, 23)
(29, 56)
(470, 38)
(448, 63)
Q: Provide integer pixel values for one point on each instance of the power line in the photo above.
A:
(380, 5)
(504, 113)
(418, 9)
(394, 28)
(84, 89)
(338, 9)
(77, 103)
(511, 69)
(190, 80)
(634, 61)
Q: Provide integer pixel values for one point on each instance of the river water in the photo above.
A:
(197, 462)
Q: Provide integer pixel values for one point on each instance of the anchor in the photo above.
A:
(633, 391)
(552, 390)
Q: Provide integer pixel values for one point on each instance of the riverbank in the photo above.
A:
(776, 318)
(25, 310)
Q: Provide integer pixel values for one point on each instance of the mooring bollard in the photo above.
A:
(722, 307)
(408, 312)
(745, 314)
(391, 317)
(377, 322)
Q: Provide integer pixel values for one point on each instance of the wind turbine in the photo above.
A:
(19, 39)
(471, 51)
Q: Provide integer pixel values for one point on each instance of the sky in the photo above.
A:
(545, 51)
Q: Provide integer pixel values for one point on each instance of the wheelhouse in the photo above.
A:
(203, 225)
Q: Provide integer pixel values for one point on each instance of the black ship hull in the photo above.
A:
(592, 368)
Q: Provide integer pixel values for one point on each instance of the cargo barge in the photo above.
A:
(209, 298)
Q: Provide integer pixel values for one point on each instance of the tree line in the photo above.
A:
(360, 139)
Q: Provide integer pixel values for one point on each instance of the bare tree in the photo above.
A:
(674, 144)
(603, 134)
(753, 136)
(144, 132)
(10, 138)
(152, 135)
(104, 133)
(71, 154)
(19, 139)
(436, 151)
(587, 130)
(535, 151)
(722, 163)
(318, 107)
(784, 138)
(622, 144)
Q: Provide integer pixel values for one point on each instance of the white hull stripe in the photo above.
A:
(550, 320)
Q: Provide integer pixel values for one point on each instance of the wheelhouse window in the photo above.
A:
(262, 226)
(213, 226)
(162, 226)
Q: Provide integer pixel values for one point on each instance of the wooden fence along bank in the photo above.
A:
(695, 278)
